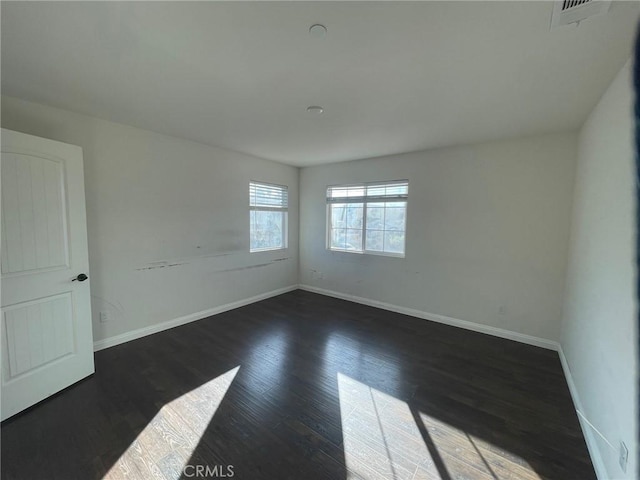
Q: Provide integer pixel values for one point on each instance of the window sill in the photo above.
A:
(368, 252)
(274, 249)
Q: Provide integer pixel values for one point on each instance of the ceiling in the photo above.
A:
(391, 76)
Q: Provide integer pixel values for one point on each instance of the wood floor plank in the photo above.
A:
(307, 386)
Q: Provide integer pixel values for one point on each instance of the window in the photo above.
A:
(268, 205)
(368, 218)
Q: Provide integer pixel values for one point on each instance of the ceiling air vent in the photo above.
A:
(566, 12)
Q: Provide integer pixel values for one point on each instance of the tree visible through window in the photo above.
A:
(268, 206)
(368, 217)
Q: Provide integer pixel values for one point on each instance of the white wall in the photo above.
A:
(599, 337)
(488, 226)
(168, 219)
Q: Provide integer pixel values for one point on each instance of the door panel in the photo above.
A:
(34, 213)
(46, 337)
(38, 333)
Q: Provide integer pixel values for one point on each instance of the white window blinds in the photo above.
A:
(371, 192)
(264, 195)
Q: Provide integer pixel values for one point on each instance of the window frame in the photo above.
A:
(365, 200)
(285, 216)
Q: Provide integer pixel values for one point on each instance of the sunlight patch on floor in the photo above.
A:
(385, 439)
(468, 456)
(166, 444)
(381, 439)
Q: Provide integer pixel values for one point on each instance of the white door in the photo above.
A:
(46, 336)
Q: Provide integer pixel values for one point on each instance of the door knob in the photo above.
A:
(81, 278)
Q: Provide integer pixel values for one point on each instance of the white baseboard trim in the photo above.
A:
(151, 329)
(476, 327)
(588, 430)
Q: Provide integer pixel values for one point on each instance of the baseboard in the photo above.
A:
(476, 327)
(143, 332)
(588, 430)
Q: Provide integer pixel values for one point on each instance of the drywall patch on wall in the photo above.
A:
(257, 265)
(156, 265)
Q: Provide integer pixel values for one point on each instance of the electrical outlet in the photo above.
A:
(502, 310)
(624, 456)
(104, 317)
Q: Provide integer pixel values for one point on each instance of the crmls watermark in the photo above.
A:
(208, 471)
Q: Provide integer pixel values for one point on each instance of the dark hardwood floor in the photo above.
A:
(303, 386)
